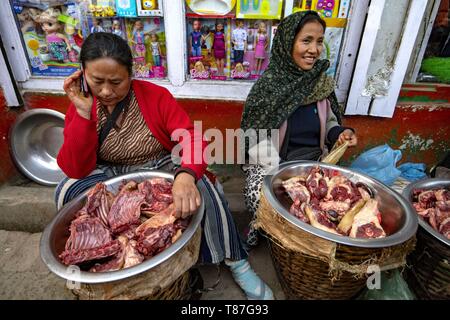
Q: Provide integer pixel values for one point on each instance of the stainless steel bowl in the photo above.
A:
(399, 220)
(55, 235)
(427, 184)
(35, 139)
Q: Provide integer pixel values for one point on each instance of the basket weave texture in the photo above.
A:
(167, 281)
(428, 274)
(310, 267)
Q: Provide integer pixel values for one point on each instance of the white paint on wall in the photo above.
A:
(415, 142)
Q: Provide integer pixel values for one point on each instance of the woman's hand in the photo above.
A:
(73, 90)
(186, 196)
(349, 136)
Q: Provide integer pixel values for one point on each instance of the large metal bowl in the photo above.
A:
(35, 139)
(427, 184)
(399, 220)
(55, 235)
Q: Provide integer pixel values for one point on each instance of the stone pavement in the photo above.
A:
(25, 210)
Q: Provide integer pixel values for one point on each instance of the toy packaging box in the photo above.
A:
(208, 48)
(146, 38)
(332, 43)
(126, 8)
(259, 9)
(326, 8)
(52, 36)
(251, 48)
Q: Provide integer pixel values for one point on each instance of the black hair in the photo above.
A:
(309, 17)
(106, 45)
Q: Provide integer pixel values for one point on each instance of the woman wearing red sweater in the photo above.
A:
(122, 125)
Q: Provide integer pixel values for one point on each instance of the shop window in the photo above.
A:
(53, 32)
(230, 40)
(146, 26)
(436, 61)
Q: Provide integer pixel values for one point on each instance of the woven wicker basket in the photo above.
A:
(428, 274)
(170, 280)
(187, 287)
(310, 267)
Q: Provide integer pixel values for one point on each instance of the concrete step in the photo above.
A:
(26, 208)
(23, 275)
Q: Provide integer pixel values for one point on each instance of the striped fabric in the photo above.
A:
(133, 133)
(220, 238)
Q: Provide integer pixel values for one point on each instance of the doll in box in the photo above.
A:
(195, 40)
(96, 26)
(117, 29)
(219, 48)
(71, 32)
(156, 49)
(250, 39)
(28, 19)
(207, 38)
(58, 44)
(261, 43)
(138, 40)
(239, 41)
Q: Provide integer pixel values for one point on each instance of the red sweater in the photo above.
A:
(78, 154)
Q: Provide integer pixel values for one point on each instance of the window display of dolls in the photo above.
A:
(58, 44)
(239, 41)
(195, 40)
(260, 44)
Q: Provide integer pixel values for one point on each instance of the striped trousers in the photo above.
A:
(220, 237)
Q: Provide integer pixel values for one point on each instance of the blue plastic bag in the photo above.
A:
(379, 163)
(412, 171)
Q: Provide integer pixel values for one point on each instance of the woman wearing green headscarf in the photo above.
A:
(296, 97)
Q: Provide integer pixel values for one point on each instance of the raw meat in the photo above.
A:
(99, 202)
(434, 207)
(326, 199)
(111, 232)
(126, 208)
(89, 240)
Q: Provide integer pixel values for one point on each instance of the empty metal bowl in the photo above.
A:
(35, 139)
(427, 184)
(55, 235)
(399, 219)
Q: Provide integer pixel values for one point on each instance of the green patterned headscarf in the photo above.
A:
(284, 86)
